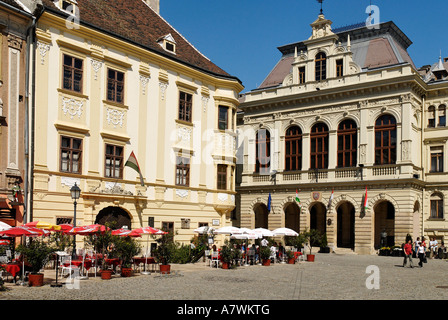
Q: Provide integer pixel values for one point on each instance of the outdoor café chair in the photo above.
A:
(214, 260)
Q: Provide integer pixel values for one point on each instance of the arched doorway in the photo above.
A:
(384, 222)
(292, 217)
(261, 216)
(318, 218)
(346, 225)
(117, 216)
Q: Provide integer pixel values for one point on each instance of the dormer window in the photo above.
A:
(168, 43)
(69, 6)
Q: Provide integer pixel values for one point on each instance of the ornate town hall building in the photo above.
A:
(346, 111)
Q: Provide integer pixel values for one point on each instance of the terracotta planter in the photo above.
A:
(126, 272)
(310, 257)
(225, 265)
(165, 269)
(106, 274)
(291, 261)
(36, 280)
(266, 262)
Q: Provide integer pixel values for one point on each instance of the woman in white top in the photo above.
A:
(421, 254)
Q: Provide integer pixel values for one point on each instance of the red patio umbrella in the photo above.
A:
(88, 230)
(23, 231)
(125, 233)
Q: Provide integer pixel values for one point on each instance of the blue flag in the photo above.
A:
(269, 202)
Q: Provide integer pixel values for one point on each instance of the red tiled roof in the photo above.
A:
(135, 21)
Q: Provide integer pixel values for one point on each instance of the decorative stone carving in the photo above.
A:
(115, 117)
(69, 182)
(144, 81)
(72, 107)
(43, 49)
(182, 193)
(163, 85)
(96, 65)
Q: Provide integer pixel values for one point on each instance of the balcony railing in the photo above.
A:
(385, 172)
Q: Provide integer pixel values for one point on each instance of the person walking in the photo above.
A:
(416, 245)
(408, 254)
(421, 253)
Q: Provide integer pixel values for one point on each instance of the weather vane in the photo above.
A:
(321, 2)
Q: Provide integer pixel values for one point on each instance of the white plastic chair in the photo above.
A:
(65, 264)
(214, 259)
(207, 257)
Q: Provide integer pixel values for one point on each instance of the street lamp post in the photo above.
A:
(75, 192)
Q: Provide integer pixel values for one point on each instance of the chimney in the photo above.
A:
(154, 4)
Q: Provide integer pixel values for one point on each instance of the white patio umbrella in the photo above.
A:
(228, 230)
(264, 232)
(284, 232)
(204, 229)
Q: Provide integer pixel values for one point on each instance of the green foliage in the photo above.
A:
(104, 243)
(37, 252)
(227, 253)
(127, 248)
(166, 249)
(265, 252)
(314, 238)
(324, 241)
(297, 241)
(61, 241)
(289, 254)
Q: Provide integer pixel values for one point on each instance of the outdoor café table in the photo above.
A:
(147, 260)
(12, 268)
(78, 263)
(112, 261)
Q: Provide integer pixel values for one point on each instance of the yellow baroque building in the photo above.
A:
(114, 78)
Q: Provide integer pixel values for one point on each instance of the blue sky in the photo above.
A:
(242, 36)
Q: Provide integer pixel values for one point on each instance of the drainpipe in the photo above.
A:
(29, 126)
(422, 163)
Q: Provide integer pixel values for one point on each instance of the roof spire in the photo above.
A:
(321, 5)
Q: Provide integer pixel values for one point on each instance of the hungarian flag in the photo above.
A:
(331, 199)
(297, 198)
(365, 200)
(133, 163)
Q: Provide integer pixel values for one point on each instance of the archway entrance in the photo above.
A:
(384, 222)
(292, 217)
(261, 216)
(115, 215)
(346, 225)
(318, 217)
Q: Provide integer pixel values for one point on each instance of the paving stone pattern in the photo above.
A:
(330, 277)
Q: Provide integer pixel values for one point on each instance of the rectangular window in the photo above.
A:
(442, 116)
(71, 155)
(113, 167)
(72, 73)
(182, 171)
(223, 118)
(431, 117)
(185, 106)
(168, 226)
(222, 177)
(115, 86)
(437, 159)
(302, 75)
(339, 68)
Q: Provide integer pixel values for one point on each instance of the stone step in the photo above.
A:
(343, 251)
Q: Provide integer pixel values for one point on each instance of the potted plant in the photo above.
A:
(314, 239)
(164, 252)
(290, 257)
(36, 253)
(227, 255)
(104, 243)
(265, 254)
(324, 244)
(127, 248)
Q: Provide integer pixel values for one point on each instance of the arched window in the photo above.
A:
(436, 206)
(431, 117)
(347, 144)
(263, 151)
(319, 146)
(293, 149)
(321, 66)
(385, 140)
(441, 113)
